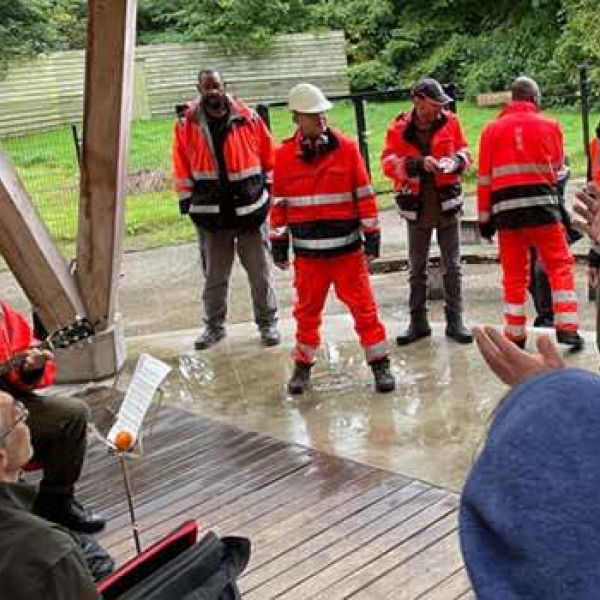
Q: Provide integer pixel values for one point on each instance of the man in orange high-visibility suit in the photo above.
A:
(222, 161)
(520, 156)
(324, 202)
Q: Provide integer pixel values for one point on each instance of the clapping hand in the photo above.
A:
(511, 364)
(588, 207)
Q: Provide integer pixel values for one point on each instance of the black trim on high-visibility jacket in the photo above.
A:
(510, 209)
(219, 203)
(449, 197)
(243, 193)
(325, 239)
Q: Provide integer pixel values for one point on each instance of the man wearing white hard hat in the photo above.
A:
(324, 203)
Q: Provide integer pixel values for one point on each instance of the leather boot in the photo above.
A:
(300, 379)
(456, 328)
(65, 510)
(570, 338)
(384, 380)
(209, 337)
(418, 328)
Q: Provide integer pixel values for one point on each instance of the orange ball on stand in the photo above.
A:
(124, 441)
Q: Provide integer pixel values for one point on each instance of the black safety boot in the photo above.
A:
(570, 338)
(68, 512)
(269, 335)
(209, 337)
(544, 320)
(300, 379)
(456, 328)
(384, 380)
(418, 328)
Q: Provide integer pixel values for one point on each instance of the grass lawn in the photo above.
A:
(47, 164)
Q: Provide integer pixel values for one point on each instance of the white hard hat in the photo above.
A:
(308, 98)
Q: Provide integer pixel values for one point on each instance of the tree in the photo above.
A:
(236, 25)
(24, 29)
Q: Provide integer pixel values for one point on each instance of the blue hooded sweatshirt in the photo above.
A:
(530, 509)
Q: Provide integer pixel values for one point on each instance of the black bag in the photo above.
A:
(206, 571)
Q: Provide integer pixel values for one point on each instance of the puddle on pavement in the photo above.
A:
(429, 428)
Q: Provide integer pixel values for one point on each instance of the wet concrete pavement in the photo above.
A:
(429, 429)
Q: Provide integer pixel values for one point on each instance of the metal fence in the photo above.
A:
(48, 163)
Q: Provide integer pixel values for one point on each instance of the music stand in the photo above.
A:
(136, 412)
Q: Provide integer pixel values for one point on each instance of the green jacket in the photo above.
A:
(38, 559)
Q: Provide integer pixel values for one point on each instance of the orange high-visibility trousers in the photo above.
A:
(349, 275)
(551, 244)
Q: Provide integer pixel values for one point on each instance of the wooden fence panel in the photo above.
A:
(48, 92)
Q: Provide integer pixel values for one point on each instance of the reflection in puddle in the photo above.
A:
(429, 428)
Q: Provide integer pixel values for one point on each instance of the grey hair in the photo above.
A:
(525, 88)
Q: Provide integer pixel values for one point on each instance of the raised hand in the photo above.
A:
(511, 364)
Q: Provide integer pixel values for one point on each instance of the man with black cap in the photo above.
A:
(426, 155)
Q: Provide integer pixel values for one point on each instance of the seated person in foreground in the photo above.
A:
(530, 509)
(38, 559)
(58, 425)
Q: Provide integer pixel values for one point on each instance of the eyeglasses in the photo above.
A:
(21, 416)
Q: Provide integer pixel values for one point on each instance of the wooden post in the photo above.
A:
(107, 114)
(32, 256)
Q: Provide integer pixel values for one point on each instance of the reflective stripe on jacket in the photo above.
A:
(520, 157)
(401, 161)
(248, 153)
(595, 159)
(324, 203)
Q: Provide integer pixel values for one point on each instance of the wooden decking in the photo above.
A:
(321, 527)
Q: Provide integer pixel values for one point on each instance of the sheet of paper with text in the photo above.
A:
(148, 375)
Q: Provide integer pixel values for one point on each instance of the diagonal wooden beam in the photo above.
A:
(32, 256)
(107, 110)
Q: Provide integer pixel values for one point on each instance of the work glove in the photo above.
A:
(280, 249)
(487, 230)
(372, 243)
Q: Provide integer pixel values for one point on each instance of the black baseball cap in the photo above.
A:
(431, 88)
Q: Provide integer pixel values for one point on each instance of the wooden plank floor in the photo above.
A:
(321, 527)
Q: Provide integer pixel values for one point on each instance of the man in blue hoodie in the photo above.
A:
(530, 509)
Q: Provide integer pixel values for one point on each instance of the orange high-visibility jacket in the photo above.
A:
(402, 162)
(248, 152)
(325, 203)
(520, 157)
(595, 158)
(16, 337)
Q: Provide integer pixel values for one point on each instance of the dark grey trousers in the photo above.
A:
(59, 437)
(419, 243)
(217, 250)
